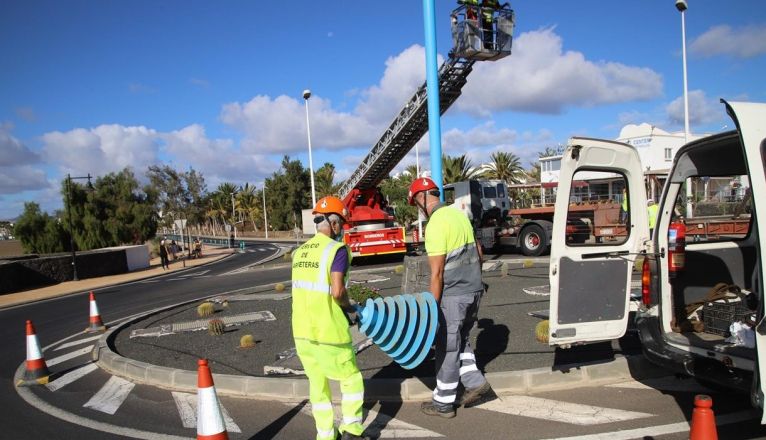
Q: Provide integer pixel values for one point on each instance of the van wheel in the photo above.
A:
(533, 241)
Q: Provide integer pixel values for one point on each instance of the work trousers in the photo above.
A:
(455, 361)
(337, 362)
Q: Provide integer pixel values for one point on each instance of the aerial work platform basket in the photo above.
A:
(476, 37)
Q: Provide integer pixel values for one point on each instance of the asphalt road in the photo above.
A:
(653, 410)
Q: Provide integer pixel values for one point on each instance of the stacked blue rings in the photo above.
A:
(403, 326)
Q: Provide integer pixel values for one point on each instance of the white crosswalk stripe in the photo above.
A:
(556, 410)
(77, 342)
(187, 410)
(111, 396)
(379, 425)
(70, 355)
(71, 376)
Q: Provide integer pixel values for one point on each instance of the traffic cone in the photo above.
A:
(36, 372)
(210, 425)
(703, 419)
(96, 324)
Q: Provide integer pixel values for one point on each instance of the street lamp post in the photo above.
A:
(265, 219)
(69, 179)
(682, 6)
(306, 96)
(233, 216)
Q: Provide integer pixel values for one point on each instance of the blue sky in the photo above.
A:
(92, 87)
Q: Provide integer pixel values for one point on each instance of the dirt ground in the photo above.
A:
(10, 248)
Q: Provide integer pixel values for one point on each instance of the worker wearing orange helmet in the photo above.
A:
(321, 315)
(455, 261)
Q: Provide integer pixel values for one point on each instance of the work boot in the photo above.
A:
(349, 436)
(477, 396)
(429, 409)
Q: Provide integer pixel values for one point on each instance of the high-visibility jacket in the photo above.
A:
(488, 7)
(652, 210)
(316, 316)
(449, 233)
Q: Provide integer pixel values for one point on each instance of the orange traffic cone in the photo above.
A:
(703, 419)
(36, 370)
(96, 324)
(210, 425)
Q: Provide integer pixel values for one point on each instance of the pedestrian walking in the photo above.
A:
(455, 261)
(164, 254)
(321, 315)
(173, 249)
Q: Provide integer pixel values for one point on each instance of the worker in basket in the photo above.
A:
(321, 315)
(455, 261)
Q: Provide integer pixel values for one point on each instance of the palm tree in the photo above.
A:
(412, 170)
(222, 193)
(323, 180)
(456, 169)
(247, 204)
(505, 166)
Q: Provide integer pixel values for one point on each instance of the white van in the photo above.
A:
(693, 291)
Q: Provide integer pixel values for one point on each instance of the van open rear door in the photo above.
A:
(590, 275)
(751, 124)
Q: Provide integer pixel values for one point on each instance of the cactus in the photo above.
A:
(247, 341)
(205, 309)
(541, 331)
(528, 263)
(225, 303)
(279, 287)
(399, 269)
(504, 269)
(216, 327)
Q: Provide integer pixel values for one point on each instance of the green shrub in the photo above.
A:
(205, 309)
(216, 327)
(360, 293)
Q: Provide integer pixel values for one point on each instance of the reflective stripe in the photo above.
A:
(328, 434)
(308, 285)
(468, 369)
(446, 386)
(326, 253)
(321, 406)
(353, 397)
(461, 256)
(350, 420)
(445, 399)
(470, 356)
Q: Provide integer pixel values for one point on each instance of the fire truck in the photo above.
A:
(371, 229)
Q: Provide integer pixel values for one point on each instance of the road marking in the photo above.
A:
(72, 355)
(559, 411)
(177, 279)
(246, 268)
(78, 342)
(71, 376)
(147, 281)
(202, 272)
(187, 410)
(262, 249)
(111, 396)
(653, 431)
(663, 384)
(379, 425)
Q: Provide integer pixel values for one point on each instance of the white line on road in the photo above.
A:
(77, 342)
(187, 410)
(111, 396)
(147, 281)
(261, 249)
(72, 376)
(66, 357)
(194, 274)
(380, 425)
(653, 431)
(556, 410)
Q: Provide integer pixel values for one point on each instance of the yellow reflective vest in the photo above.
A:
(316, 316)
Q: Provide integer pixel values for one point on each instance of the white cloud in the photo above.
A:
(104, 149)
(541, 77)
(217, 159)
(702, 110)
(744, 42)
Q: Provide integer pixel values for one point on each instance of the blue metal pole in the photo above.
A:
(432, 87)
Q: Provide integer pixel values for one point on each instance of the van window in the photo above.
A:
(449, 195)
(596, 214)
(501, 190)
(715, 208)
(490, 192)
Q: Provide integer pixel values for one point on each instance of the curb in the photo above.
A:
(622, 368)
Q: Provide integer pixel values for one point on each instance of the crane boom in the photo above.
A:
(408, 127)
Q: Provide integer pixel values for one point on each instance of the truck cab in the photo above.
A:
(701, 309)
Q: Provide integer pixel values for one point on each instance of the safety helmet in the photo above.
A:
(330, 205)
(420, 184)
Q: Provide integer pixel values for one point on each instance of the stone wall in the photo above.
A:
(31, 273)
